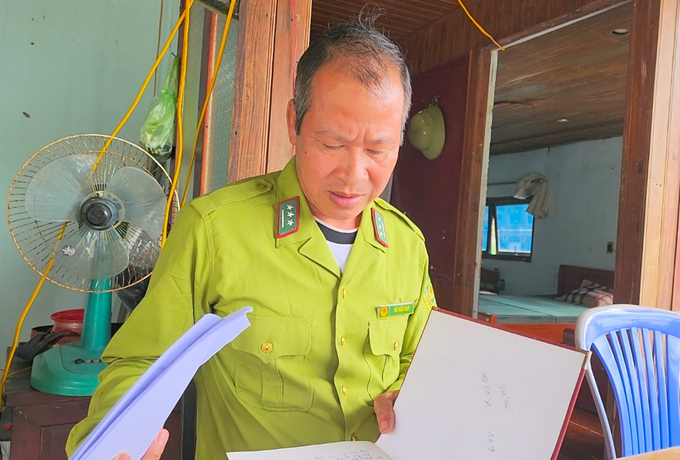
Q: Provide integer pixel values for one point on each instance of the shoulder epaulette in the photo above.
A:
(236, 192)
(392, 210)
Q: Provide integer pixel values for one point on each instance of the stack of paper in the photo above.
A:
(345, 450)
(133, 423)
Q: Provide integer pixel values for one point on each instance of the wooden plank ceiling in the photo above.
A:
(563, 87)
(400, 18)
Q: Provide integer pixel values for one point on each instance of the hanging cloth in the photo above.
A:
(535, 185)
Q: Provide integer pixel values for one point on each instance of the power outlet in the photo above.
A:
(610, 247)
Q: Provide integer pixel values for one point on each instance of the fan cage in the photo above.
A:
(37, 240)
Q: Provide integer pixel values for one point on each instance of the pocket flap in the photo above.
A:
(270, 337)
(386, 335)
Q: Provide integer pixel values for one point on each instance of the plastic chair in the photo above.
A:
(640, 350)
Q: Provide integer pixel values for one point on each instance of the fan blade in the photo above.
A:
(94, 254)
(57, 190)
(140, 247)
(142, 197)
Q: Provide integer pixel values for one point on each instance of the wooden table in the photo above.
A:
(41, 422)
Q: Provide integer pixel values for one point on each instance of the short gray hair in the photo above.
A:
(367, 54)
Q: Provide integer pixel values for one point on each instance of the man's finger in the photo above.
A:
(384, 412)
(157, 446)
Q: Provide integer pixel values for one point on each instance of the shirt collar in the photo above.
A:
(288, 192)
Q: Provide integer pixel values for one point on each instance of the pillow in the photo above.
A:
(590, 294)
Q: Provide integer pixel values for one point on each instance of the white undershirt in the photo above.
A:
(339, 242)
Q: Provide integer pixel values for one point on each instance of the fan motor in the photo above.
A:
(99, 213)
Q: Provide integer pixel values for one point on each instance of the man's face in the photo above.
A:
(348, 143)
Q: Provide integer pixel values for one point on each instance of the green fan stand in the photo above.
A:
(72, 369)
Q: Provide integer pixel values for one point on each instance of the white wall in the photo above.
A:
(73, 67)
(584, 182)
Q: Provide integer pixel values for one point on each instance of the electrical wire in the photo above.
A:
(206, 102)
(180, 105)
(17, 331)
(181, 19)
(158, 43)
(478, 26)
(12, 374)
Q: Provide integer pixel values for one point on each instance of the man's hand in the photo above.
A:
(155, 449)
(383, 407)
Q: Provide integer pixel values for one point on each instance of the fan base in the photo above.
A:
(69, 370)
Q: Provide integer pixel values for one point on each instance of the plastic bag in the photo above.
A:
(156, 134)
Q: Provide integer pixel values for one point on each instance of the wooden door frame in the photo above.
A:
(650, 187)
(454, 36)
(650, 178)
(476, 155)
(474, 173)
(259, 142)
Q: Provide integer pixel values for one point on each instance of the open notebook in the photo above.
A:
(473, 391)
(133, 422)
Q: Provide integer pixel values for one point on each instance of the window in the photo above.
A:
(508, 229)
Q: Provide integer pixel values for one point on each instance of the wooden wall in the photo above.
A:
(422, 188)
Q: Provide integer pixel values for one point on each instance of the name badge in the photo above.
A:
(385, 311)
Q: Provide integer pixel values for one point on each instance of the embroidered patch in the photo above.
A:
(395, 309)
(288, 217)
(428, 294)
(379, 227)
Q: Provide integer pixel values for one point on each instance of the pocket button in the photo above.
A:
(267, 347)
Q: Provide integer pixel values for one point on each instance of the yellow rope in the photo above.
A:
(213, 79)
(478, 26)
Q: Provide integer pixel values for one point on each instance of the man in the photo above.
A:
(336, 277)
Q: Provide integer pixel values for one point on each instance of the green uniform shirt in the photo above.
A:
(322, 345)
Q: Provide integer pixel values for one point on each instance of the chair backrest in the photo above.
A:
(640, 350)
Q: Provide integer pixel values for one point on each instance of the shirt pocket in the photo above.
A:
(385, 337)
(270, 367)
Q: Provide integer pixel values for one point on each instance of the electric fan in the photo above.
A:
(94, 225)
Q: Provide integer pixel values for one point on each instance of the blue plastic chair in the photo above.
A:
(640, 350)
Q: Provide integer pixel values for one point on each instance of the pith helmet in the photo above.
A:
(426, 131)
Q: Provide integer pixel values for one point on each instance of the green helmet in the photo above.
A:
(427, 133)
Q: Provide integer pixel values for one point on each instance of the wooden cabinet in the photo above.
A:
(41, 422)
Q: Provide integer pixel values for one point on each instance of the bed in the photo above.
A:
(541, 316)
